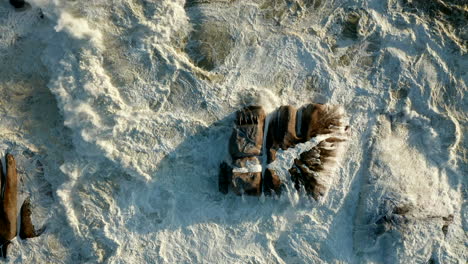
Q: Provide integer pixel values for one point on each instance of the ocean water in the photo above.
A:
(119, 113)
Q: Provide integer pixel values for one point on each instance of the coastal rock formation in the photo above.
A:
(287, 128)
(9, 209)
(245, 147)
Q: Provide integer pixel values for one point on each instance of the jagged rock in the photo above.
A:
(287, 128)
(247, 137)
(18, 3)
(318, 119)
(247, 176)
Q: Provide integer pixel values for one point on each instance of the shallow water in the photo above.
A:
(119, 113)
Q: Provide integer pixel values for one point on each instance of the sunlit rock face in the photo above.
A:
(287, 127)
(9, 208)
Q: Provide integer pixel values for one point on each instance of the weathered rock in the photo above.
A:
(247, 176)
(27, 229)
(8, 210)
(247, 137)
(315, 119)
(281, 130)
(318, 119)
(281, 135)
(286, 129)
(18, 3)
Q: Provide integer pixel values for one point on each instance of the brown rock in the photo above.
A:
(8, 210)
(247, 137)
(27, 228)
(246, 180)
(319, 119)
(282, 130)
(281, 135)
(316, 119)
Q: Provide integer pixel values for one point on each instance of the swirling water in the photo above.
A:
(119, 113)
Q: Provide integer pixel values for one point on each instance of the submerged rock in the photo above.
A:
(18, 3)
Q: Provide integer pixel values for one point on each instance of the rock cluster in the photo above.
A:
(288, 127)
(9, 208)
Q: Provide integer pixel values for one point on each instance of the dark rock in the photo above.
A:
(281, 135)
(287, 128)
(27, 229)
(18, 3)
(247, 137)
(224, 177)
(246, 180)
(271, 182)
(282, 130)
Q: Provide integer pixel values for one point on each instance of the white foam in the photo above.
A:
(146, 129)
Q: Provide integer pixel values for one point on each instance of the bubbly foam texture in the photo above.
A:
(119, 113)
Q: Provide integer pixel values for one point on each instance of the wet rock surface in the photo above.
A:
(9, 209)
(287, 127)
(245, 147)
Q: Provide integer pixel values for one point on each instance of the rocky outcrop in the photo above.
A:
(9, 209)
(287, 128)
(245, 147)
